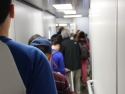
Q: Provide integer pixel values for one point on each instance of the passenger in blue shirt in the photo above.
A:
(57, 57)
(32, 64)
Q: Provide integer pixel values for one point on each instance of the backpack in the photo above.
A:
(84, 50)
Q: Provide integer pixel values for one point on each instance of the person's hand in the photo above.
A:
(58, 72)
(67, 70)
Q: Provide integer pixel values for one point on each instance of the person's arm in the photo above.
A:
(67, 70)
(42, 81)
(61, 64)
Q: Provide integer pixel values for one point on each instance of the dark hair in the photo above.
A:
(4, 9)
(75, 36)
(44, 49)
(60, 30)
(56, 39)
(54, 36)
(33, 37)
(82, 35)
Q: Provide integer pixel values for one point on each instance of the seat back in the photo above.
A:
(10, 80)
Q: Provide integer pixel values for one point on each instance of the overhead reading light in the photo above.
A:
(70, 12)
(63, 6)
(61, 24)
(71, 16)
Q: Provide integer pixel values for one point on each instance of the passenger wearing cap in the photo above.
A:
(45, 46)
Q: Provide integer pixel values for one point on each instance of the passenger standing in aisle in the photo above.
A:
(57, 57)
(71, 53)
(31, 62)
(84, 62)
(44, 45)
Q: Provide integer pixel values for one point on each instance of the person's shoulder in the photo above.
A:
(23, 49)
(23, 52)
(20, 46)
(72, 42)
(56, 53)
(59, 54)
(66, 41)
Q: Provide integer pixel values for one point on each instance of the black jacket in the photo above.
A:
(71, 53)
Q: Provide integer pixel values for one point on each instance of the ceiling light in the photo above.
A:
(61, 24)
(70, 12)
(71, 24)
(61, 10)
(63, 6)
(71, 16)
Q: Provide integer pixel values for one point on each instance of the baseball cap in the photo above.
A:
(40, 41)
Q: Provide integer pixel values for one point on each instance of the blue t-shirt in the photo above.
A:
(33, 67)
(58, 59)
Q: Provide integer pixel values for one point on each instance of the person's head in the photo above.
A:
(71, 34)
(65, 33)
(59, 37)
(86, 34)
(7, 12)
(82, 35)
(56, 42)
(33, 37)
(44, 45)
(75, 36)
(54, 36)
(77, 31)
(60, 30)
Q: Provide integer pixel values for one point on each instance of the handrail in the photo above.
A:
(90, 87)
